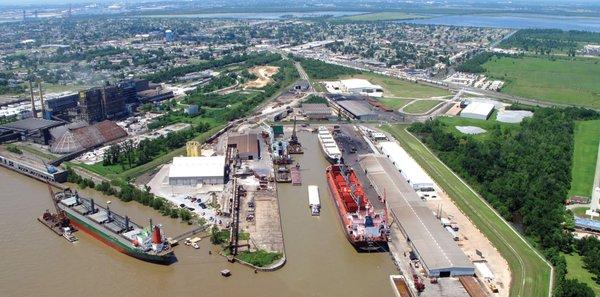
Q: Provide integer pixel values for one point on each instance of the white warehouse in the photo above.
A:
(361, 87)
(410, 170)
(478, 110)
(191, 171)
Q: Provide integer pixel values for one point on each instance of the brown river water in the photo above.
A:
(320, 261)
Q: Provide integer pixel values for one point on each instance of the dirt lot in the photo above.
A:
(264, 74)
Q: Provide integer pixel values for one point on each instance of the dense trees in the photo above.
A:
(129, 154)
(546, 41)
(126, 192)
(525, 175)
(475, 63)
(320, 70)
(249, 60)
(589, 249)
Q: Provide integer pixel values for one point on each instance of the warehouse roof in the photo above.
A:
(479, 108)
(75, 139)
(356, 108)
(315, 108)
(30, 124)
(434, 245)
(404, 162)
(197, 166)
(245, 143)
(358, 83)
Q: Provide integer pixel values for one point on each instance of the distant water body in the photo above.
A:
(258, 15)
(515, 21)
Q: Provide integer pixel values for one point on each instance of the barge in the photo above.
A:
(328, 145)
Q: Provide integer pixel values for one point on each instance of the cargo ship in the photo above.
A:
(365, 228)
(329, 146)
(144, 243)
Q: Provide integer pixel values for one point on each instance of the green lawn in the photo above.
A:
(421, 106)
(393, 87)
(567, 81)
(531, 274)
(576, 270)
(585, 153)
(580, 212)
(383, 16)
(452, 122)
(394, 103)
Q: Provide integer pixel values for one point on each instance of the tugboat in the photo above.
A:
(365, 228)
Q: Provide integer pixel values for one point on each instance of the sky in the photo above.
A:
(64, 2)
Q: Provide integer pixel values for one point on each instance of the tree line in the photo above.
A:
(546, 41)
(128, 154)
(317, 69)
(251, 59)
(475, 63)
(126, 193)
(524, 174)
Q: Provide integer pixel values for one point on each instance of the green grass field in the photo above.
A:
(580, 212)
(576, 270)
(421, 106)
(585, 153)
(394, 103)
(531, 274)
(452, 122)
(393, 87)
(383, 16)
(566, 81)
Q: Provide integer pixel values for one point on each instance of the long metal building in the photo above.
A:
(437, 251)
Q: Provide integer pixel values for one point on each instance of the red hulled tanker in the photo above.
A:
(365, 228)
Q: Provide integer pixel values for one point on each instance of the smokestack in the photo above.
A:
(32, 100)
(156, 238)
(93, 206)
(151, 225)
(41, 97)
(126, 223)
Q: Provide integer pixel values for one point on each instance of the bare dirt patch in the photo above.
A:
(263, 74)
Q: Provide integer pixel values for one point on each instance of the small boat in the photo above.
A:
(225, 272)
(68, 235)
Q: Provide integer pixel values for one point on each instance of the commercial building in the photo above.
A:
(361, 87)
(130, 88)
(408, 168)
(316, 111)
(101, 103)
(435, 248)
(358, 109)
(477, 110)
(113, 102)
(30, 129)
(90, 105)
(60, 106)
(247, 145)
(155, 95)
(192, 171)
